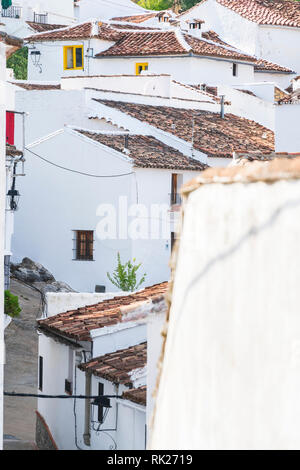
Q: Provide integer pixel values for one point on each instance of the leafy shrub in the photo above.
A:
(11, 304)
(18, 62)
(165, 4)
(125, 275)
(155, 4)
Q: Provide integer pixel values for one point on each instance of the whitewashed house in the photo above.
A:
(14, 161)
(96, 48)
(100, 193)
(19, 17)
(287, 115)
(266, 29)
(106, 9)
(233, 329)
(98, 350)
(2, 222)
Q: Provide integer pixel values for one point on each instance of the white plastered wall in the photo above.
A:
(2, 219)
(234, 329)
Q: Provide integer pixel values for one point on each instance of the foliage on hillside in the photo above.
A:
(18, 62)
(165, 4)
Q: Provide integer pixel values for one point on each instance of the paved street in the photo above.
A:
(21, 371)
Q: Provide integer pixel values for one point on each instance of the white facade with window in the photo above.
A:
(277, 44)
(39, 11)
(2, 222)
(75, 424)
(49, 64)
(65, 202)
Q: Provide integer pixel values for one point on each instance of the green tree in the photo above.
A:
(166, 4)
(186, 4)
(11, 304)
(125, 276)
(18, 62)
(155, 4)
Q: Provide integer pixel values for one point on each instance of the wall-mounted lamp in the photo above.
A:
(14, 196)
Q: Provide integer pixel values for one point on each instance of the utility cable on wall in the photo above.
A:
(37, 395)
(76, 171)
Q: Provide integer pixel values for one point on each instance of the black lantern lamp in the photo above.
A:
(14, 196)
(100, 407)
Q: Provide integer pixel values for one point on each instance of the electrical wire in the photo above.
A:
(37, 395)
(78, 172)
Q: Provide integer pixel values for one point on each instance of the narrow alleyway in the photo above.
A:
(20, 372)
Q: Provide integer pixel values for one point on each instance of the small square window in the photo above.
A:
(140, 67)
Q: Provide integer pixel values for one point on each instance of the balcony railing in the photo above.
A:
(11, 12)
(38, 18)
(175, 199)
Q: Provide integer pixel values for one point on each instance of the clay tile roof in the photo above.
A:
(12, 43)
(11, 151)
(144, 43)
(206, 48)
(290, 98)
(118, 366)
(41, 27)
(80, 31)
(147, 152)
(136, 395)
(213, 36)
(267, 12)
(36, 86)
(266, 66)
(135, 18)
(213, 135)
(251, 157)
(77, 324)
(268, 171)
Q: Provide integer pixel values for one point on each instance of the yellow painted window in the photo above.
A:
(140, 67)
(73, 57)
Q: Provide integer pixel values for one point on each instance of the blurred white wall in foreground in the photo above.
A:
(231, 370)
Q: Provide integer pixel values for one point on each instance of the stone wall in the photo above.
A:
(43, 436)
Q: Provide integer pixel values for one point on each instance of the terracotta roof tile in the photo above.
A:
(213, 135)
(77, 324)
(41, 27)
(290, 98)
(136, 395)
(117, 366)
(12, 43)
(36, 86)
(80, 31)
(267, 12)
(11, 151)
(268, 171)
(144, 43)
(266, 66)
(147, 152)
(135, 18)
(254, 156)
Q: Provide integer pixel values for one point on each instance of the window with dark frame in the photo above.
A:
(100, 407)
(84, 245)
(234, 70)
(41, 373)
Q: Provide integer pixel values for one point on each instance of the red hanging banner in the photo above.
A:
(10, 128)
